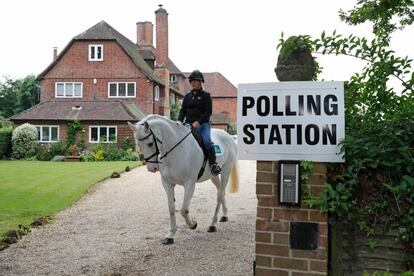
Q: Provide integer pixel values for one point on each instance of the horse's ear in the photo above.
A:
(132, 126)
(146, 125)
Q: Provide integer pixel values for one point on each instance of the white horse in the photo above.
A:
(169, 148)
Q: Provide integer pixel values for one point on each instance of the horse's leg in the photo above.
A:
(169, 189)
(216, 182)
(224, 218)
(221, 193)
(188, 194)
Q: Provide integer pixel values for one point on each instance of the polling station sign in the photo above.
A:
(291, 121)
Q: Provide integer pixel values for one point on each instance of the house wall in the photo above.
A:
(116, 66)
(123, 130)
(228, 105)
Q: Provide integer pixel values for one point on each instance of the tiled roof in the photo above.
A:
(216, 84)
(82, 111)
(103, 31)
(173, 68)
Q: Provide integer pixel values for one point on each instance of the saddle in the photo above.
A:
(200, 142)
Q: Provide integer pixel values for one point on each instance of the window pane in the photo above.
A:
(78, 89)
(131, 88)
(122, 89)
(94, 134)
(69, 89)
(38, 133)
(45, 134)
(112, 90)
(59, 89)
(99, 52)
(112, 134)
(103, 136)
(55, 134)
(172, 98)
(157, 93)
(92, 53)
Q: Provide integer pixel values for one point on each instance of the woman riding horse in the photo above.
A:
(196, 110)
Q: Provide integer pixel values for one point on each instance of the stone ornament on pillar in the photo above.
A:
(295, 61)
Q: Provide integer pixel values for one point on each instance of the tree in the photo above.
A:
(28, 92)
(374, 189)
(8, 98)
(18, 95)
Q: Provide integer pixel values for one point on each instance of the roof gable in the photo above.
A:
(103, 31)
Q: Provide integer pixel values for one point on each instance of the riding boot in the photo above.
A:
(214, 167)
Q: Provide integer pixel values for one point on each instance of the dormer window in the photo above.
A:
(95, 52)
(173, 78)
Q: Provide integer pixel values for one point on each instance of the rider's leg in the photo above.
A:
(205, 132)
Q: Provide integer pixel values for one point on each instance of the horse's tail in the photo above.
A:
(234, 178)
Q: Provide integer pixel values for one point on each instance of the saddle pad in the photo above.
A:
(218, 150)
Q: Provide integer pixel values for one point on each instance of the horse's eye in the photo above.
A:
(150, 144)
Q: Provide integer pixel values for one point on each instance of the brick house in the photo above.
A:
(103, 79)
(224, 97)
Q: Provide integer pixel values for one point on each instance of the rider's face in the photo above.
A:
(196, 84)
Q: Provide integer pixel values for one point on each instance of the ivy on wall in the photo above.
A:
(74, 127)
(374, 189)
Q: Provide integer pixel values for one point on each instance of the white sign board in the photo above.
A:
(291, 121)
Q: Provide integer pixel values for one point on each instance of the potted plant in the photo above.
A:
(74, 150)
(295, 61)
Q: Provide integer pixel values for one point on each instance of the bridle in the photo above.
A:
(157, 150)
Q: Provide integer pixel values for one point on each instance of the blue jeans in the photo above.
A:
(205, 132)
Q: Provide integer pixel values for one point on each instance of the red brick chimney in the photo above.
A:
(161, 27)
(55, 52)
(145, 34)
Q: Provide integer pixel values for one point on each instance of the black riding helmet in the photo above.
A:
(196, 75)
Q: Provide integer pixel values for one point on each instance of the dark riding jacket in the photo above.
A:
(196, 106)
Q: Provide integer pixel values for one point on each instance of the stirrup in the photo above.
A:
(215, 169)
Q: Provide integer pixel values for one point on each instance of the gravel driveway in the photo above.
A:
(115, 229)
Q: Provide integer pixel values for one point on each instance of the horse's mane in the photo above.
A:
(155, 117)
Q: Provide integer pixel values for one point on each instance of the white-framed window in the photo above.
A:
(172, 99)
(104, 134)
(95, 52)
(173, 78)
(121, 90)
(156, 93)
(68, 89)
(47, 134)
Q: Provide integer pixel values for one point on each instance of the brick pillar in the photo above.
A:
(274, 256)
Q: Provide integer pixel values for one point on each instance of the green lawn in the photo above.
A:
(29, 189)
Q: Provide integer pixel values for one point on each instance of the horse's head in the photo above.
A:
(148, 142)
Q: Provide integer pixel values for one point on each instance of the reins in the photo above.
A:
(157, 150)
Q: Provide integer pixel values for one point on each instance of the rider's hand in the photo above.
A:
(179, 123)
(195, 124)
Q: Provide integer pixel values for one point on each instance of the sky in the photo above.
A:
(235, 38)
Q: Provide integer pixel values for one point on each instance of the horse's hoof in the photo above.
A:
(167, 241)
(224, 219)
(212, 229)
(194, 227)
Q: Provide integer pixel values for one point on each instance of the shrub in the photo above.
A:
(45, 152)
(127, 144)
(110, 153)
(4, 123)
(24, 141)
(58, 158)
(5, 142)
(232, 129)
